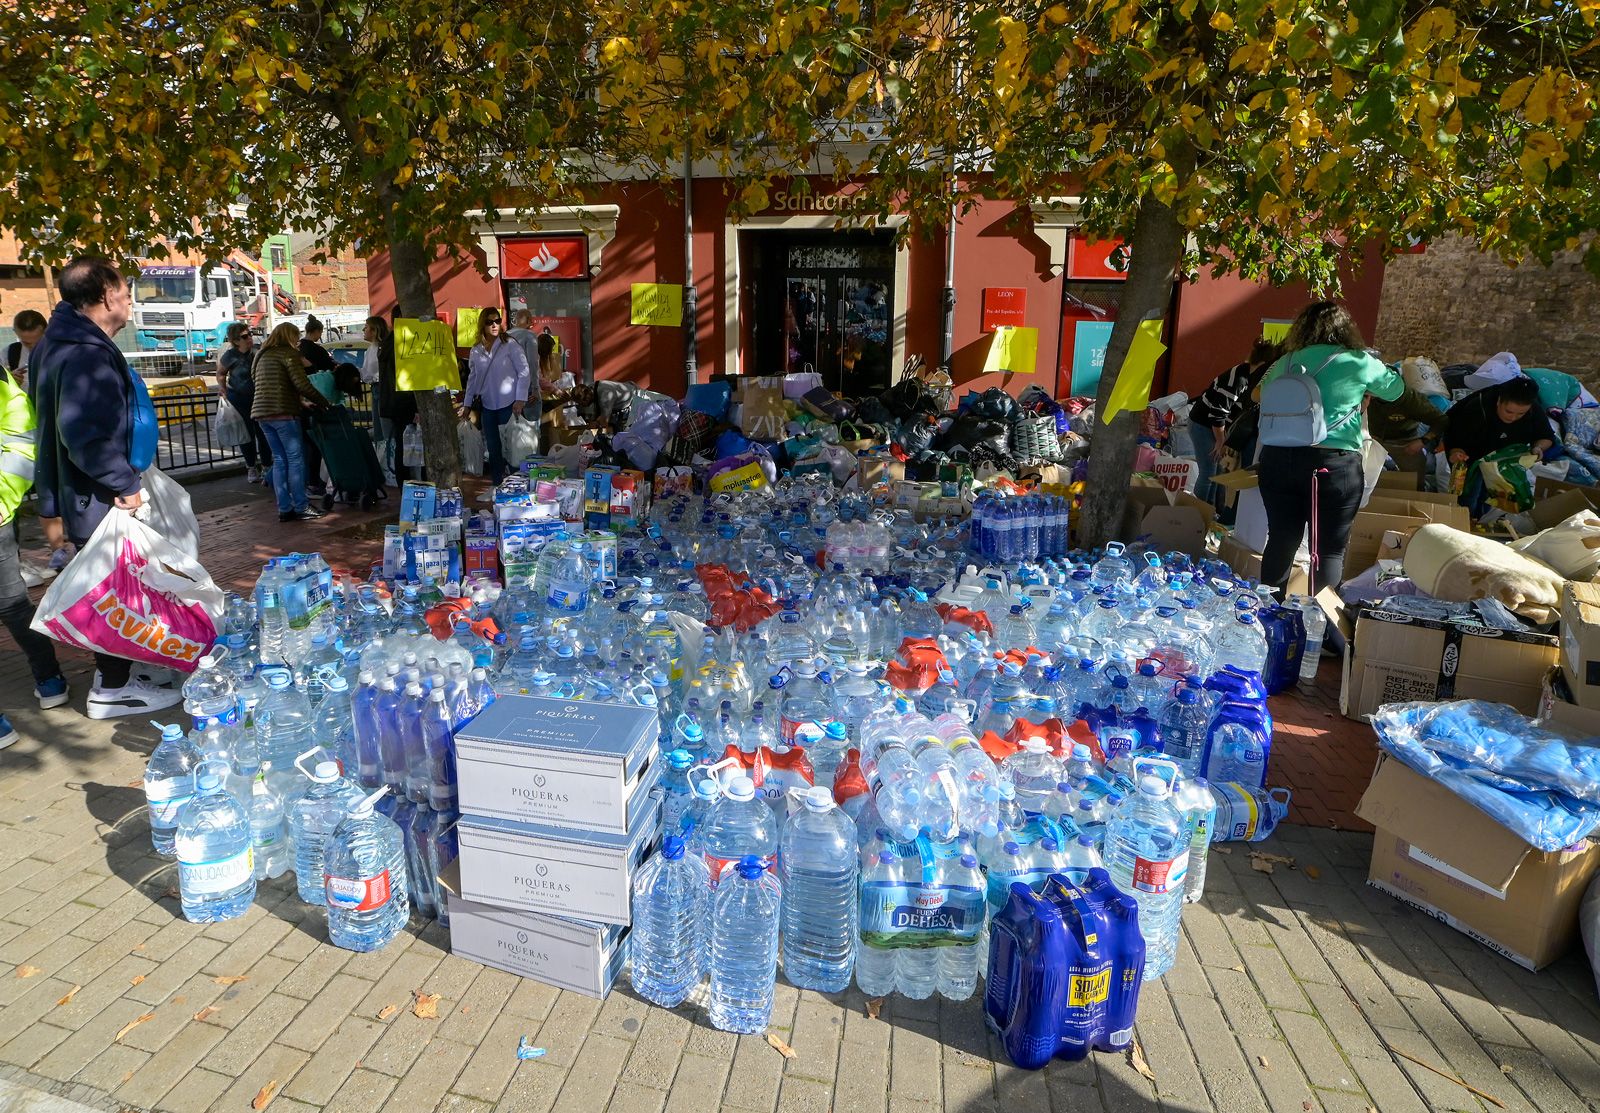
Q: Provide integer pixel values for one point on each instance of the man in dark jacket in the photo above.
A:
(92, 442)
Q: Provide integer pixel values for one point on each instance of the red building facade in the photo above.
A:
(806, 284)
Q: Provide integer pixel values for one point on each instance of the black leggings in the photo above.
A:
(1286, 475)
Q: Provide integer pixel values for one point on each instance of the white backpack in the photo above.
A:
(1291, 409)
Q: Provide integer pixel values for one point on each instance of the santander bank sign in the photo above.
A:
(555, 257)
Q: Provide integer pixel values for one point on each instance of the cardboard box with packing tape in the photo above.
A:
(1436, 852)
(1396, 658)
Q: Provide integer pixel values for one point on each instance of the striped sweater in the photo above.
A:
(281, 384)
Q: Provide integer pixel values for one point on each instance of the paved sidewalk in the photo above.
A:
(1301, 989)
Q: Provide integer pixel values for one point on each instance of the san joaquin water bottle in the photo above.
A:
(216, 869)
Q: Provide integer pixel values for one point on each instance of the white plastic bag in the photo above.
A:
(167, 510)
(131, 593)
(472, 447)
(228, 427)
(519, 439)
(1571, 547)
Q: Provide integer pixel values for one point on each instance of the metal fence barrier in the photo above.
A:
(188, 443)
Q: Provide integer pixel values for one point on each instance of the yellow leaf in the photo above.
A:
(131, 1025)
(71, 993)
(1097, 138)
(858, 87)
(780, 1047)
(1221, 21)
(1057, 14)
(265, 1095)
(426, 1005)
(26, 971)
(1541, 101)
(231, 979)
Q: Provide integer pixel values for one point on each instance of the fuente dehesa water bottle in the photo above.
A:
(818, 856)
(169, 784)
(1147, 855)
(875, 963)
(959, 962)
(216, 873)
(366, 881)
(668, 942)
(312, 819)
(744, 946)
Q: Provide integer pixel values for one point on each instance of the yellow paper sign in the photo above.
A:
(1132, 388)
(424, 356)
(657, 303)
(1277, 331)
(1014, 350)
(467, 326)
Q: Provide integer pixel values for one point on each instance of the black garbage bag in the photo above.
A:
(874, 412)
(970, 430)
(910, 396)
(914, 434)
(996, 403)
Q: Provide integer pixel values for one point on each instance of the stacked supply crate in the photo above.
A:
(557, 811)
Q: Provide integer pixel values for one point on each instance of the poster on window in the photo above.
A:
(1089, 342)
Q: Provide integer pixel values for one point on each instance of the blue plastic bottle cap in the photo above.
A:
(751, 867)
(969, 861)
(672, 848)
(680, 759)
(1012, 848)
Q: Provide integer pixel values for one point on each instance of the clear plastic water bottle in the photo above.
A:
(829, 751)
(738, 825)
(958, 964)
(333, 726)
(1147, 854)
(668, 943)
(1237, 753)
(408, 717)
(916, 971)
(438, 740)
(1035, 772)
(875, 964)
(366, 879)
(1199, 808)
(820, 866)
(365, 724)
(216, 877)
(1183, 731)
(677, 793)
(271, 617)
(322, 662)
(1241, 643)
(283, 723)
(567, 591)
(1316, 623)
(169, 785)
(209, 694)
(744, 947)
(940, 783)
(312, 819)
(1081, 857)
(418, 836)
(267, 843)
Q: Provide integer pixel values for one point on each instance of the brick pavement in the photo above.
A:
(1296, 990)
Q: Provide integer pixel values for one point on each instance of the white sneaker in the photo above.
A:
(252, 475)
(134, 698)
(155, 675)
(35, 574)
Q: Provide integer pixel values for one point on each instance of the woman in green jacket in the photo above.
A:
(1325, 341)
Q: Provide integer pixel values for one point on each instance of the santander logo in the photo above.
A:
(544, 262)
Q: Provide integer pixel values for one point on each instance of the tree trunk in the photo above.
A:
(1157, 249)
(408, 262)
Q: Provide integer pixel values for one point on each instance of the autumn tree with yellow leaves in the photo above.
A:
(1274, 138)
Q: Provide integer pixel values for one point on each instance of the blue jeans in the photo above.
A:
(1205, 440)
(493, 422)
(288, 462)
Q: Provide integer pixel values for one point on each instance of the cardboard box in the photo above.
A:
(1394, 512)
(1438, 853)
(1561, 505)
(531, 759)
(568, 954)
(1394, 658)
(558, 871)
(1557, 712)
(1167, 523)
(1250, 516)
(1247, 562)
(1399, 481)
(1580, 641)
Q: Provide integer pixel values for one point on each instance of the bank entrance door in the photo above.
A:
(824, 302)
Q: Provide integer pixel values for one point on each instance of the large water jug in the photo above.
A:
(818, 855)
(283, 725)
(1241, 643)
(1147, 855)
(1182, 731)
(669, 940)
(169, 785)
(209, 695)
(744, 946)
(366, 879)
(1035, 772)
(216, 875)
(1286, 641)
(333, 726)
(312, 819)
(1024, 1000)
(1247, 813)
(738, 825)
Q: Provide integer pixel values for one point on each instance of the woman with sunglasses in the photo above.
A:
(497, 379)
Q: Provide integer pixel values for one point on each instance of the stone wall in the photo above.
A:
(341, 280)
(1459, 306)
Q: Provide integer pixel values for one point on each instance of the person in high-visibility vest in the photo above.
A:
(16, 609)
